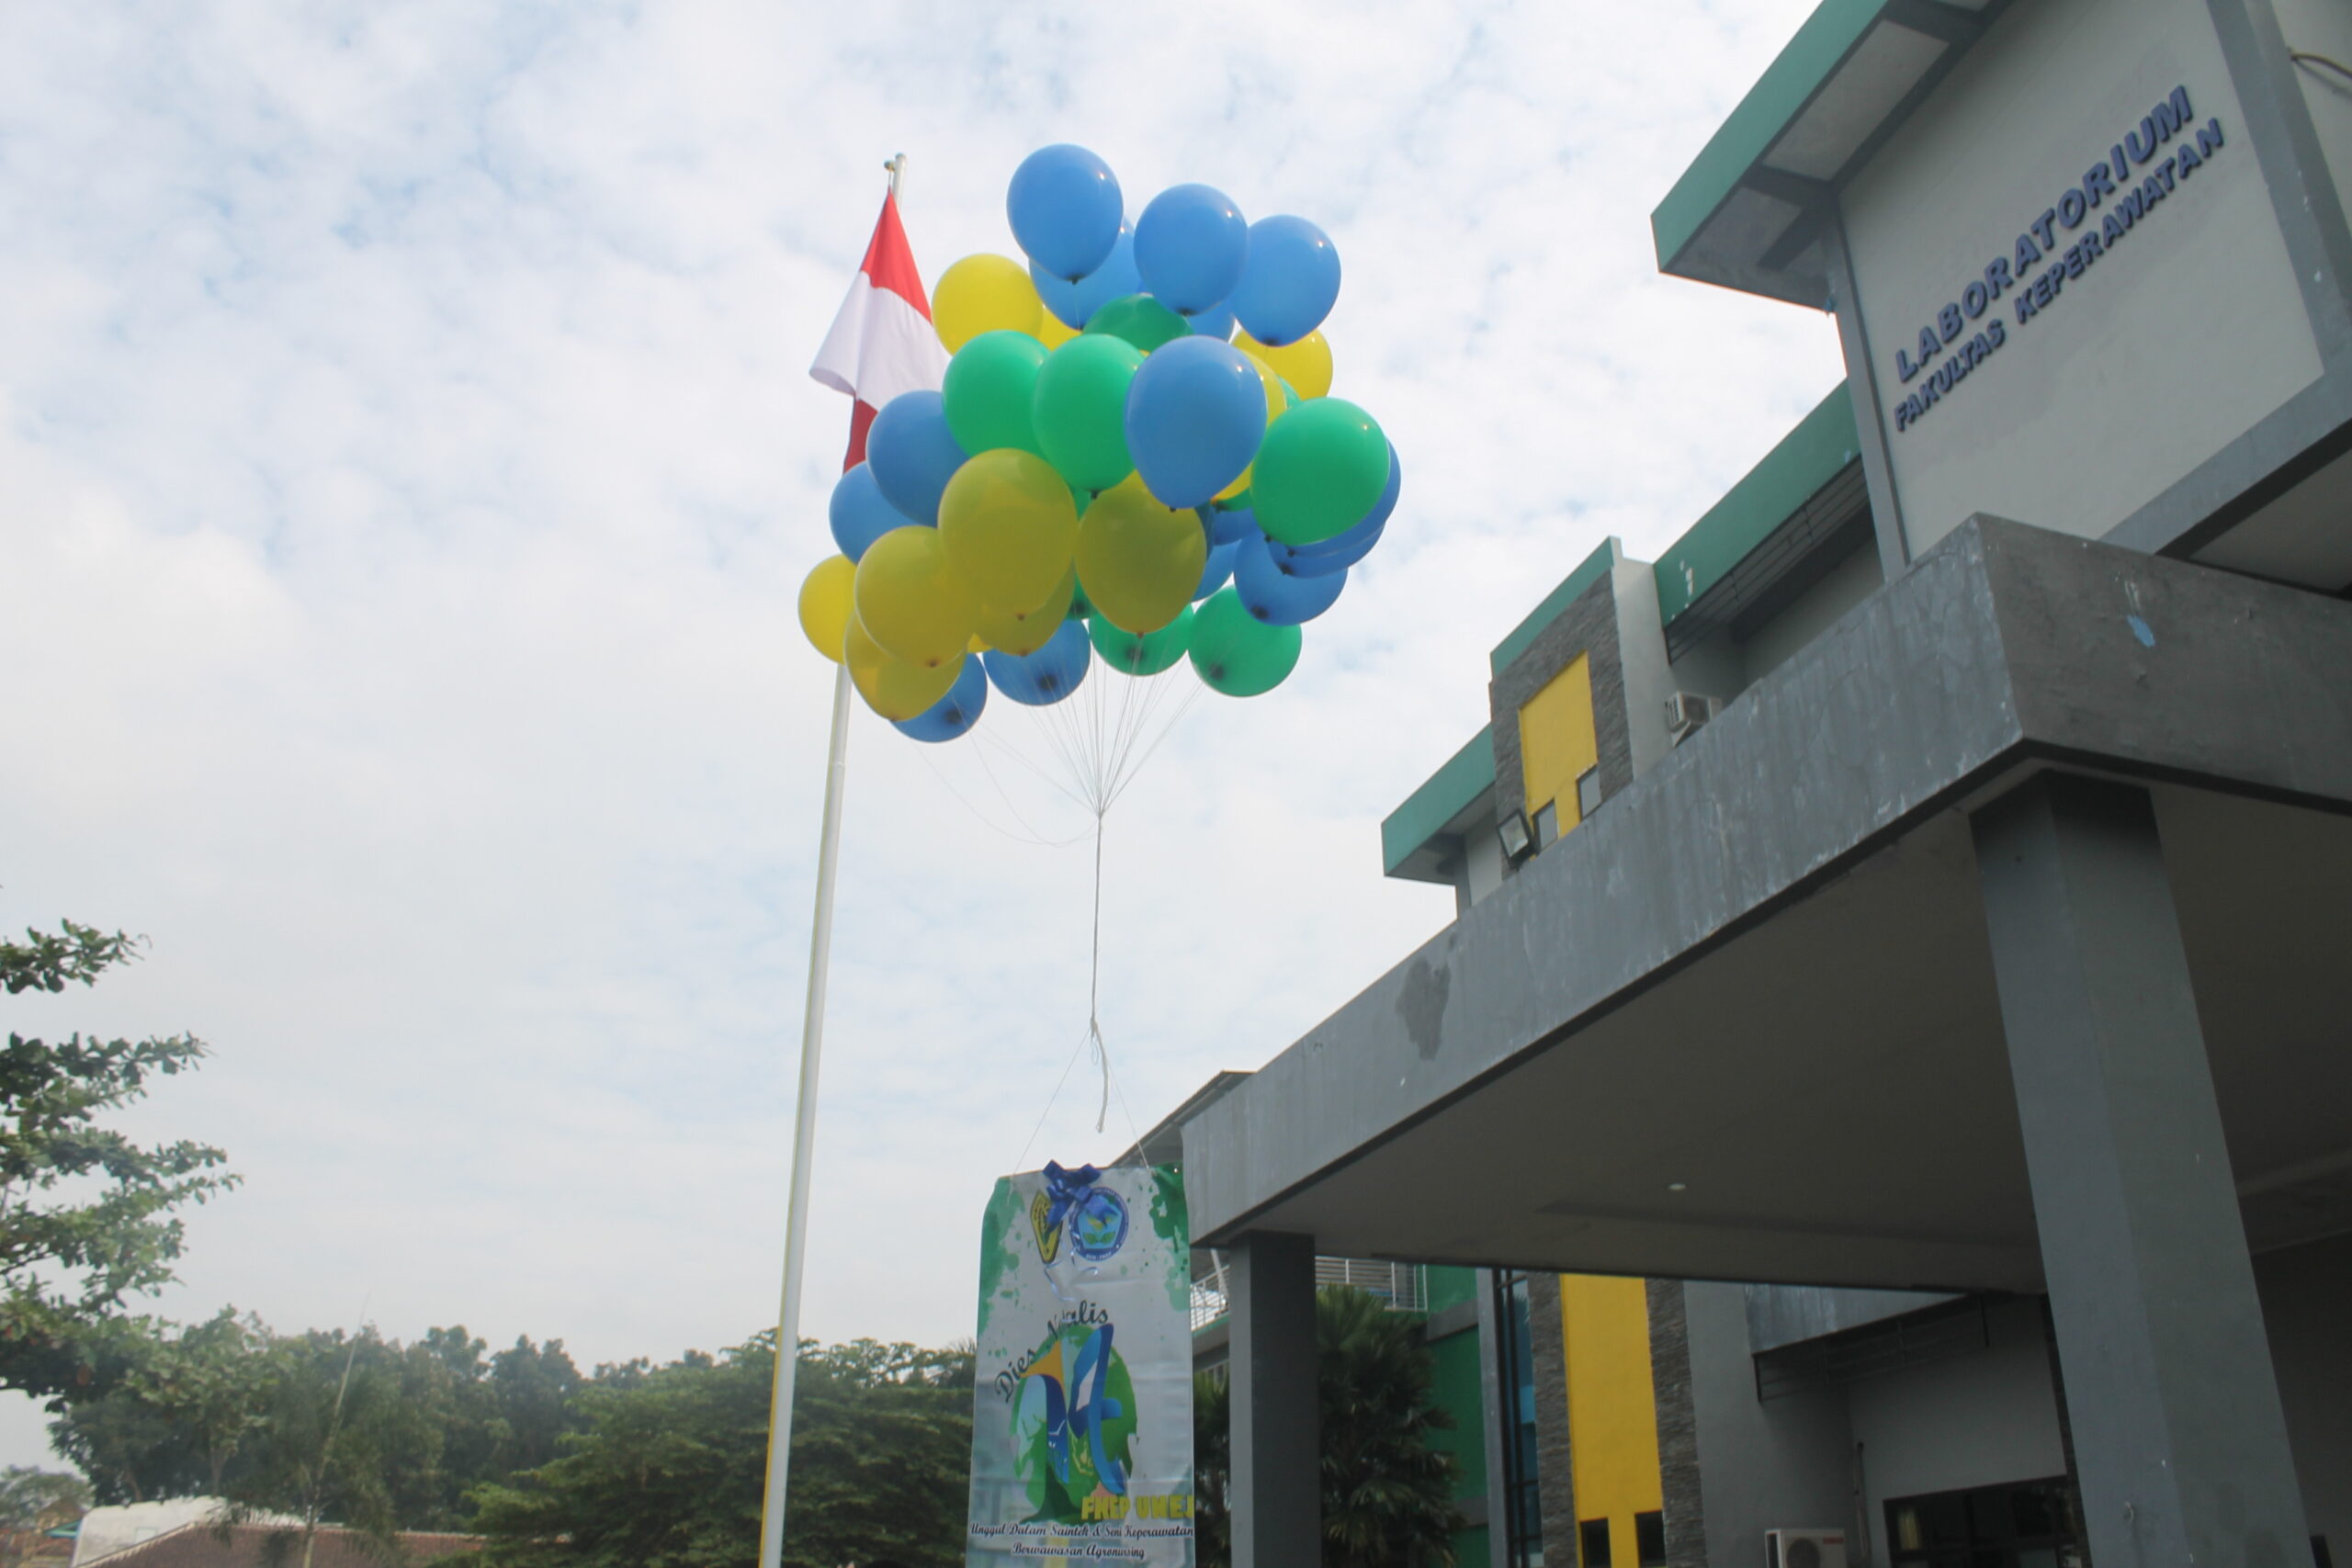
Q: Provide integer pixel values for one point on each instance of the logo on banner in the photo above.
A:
(1073, 1419)
(1094, 1218)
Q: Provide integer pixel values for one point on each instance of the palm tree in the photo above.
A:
(1388, 1493)
(1212, 1468)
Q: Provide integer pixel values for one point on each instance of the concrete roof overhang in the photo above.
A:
(1742, 1024)
(1748, 211)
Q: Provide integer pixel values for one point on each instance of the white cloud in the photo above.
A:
(408, 464)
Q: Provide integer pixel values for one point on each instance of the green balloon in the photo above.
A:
(1079, 410)
(1237, 653)
(1145, 655)
(1141, 321)
(990, 386)
(1080, 609)
(1320, 469)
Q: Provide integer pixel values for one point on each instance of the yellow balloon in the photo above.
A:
(915, 605)
(984, 294)
(1305, 365)
(1027, 634)
(893, 689)
(1137, 560)
(1054, 331)
(825, 605)
(1010, 525)
(1277, 400)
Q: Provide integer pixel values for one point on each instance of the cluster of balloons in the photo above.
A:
(1134, 458)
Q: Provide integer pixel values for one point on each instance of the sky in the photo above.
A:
(407, 466)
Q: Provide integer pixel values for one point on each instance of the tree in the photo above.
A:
(533, 1387)
(668, 1472)
(86, 1214)
(1212, 1470)
(167, 1409)
(375, 1433)
(31, 1498)
(1388, 1493)
(33, 1502)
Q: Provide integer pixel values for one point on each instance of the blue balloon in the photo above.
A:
(1195, 414)
(1074, 304)
(1343, 550)
(1065, 207)
(1218, 567)
(1290, 282)
(1046, 677)
(913, 454)
(860, 512)
(1190, 244)
(954, 714)
(1295, 560)
(1226, 526)
(1277, 598)
(1217, 322)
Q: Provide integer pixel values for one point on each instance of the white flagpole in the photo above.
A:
(804, 1123)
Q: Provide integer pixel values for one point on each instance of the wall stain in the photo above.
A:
(1422, 1005)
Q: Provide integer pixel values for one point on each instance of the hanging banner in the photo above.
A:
(1082, 1404)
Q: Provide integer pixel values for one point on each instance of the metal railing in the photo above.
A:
(1401, 1285)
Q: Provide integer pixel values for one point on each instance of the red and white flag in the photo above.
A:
(882, 343)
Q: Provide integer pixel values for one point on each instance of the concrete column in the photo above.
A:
(1277, 1489)
(2178, 1434)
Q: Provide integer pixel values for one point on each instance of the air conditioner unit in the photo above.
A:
(1685, 711)
(1804, 1548)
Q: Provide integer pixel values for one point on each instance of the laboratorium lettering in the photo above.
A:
(2140, 171)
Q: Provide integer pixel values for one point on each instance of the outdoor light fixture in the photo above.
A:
(1515, 840)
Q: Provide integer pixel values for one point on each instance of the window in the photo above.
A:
(2023, 1525)
(1649, 1540)
(1547, 824)
(1588, 792)
(1523, 1512)
(1592, 1534)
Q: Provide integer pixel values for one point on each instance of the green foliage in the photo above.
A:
(1387, 1493)
(226, 1408)
(33, 1499)
(670, 1468)
(1212, 1470)
(166, 1409)
(84, 1212)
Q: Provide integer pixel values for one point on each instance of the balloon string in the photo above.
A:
(1094, 984)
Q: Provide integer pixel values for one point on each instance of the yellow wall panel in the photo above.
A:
(1613, 1404)
(1556, 742)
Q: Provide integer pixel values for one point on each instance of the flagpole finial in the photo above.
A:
(897, 167)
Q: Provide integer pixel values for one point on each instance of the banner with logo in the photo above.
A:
(1082, 1404)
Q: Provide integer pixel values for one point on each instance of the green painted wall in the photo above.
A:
(1449, 1287)
(1459, 1391)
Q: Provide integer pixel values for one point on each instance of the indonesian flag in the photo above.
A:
(882, 343)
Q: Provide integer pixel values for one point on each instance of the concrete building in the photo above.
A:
(1889, 1070)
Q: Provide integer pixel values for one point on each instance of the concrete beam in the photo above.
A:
(2177, 1430)
(2004, 645)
